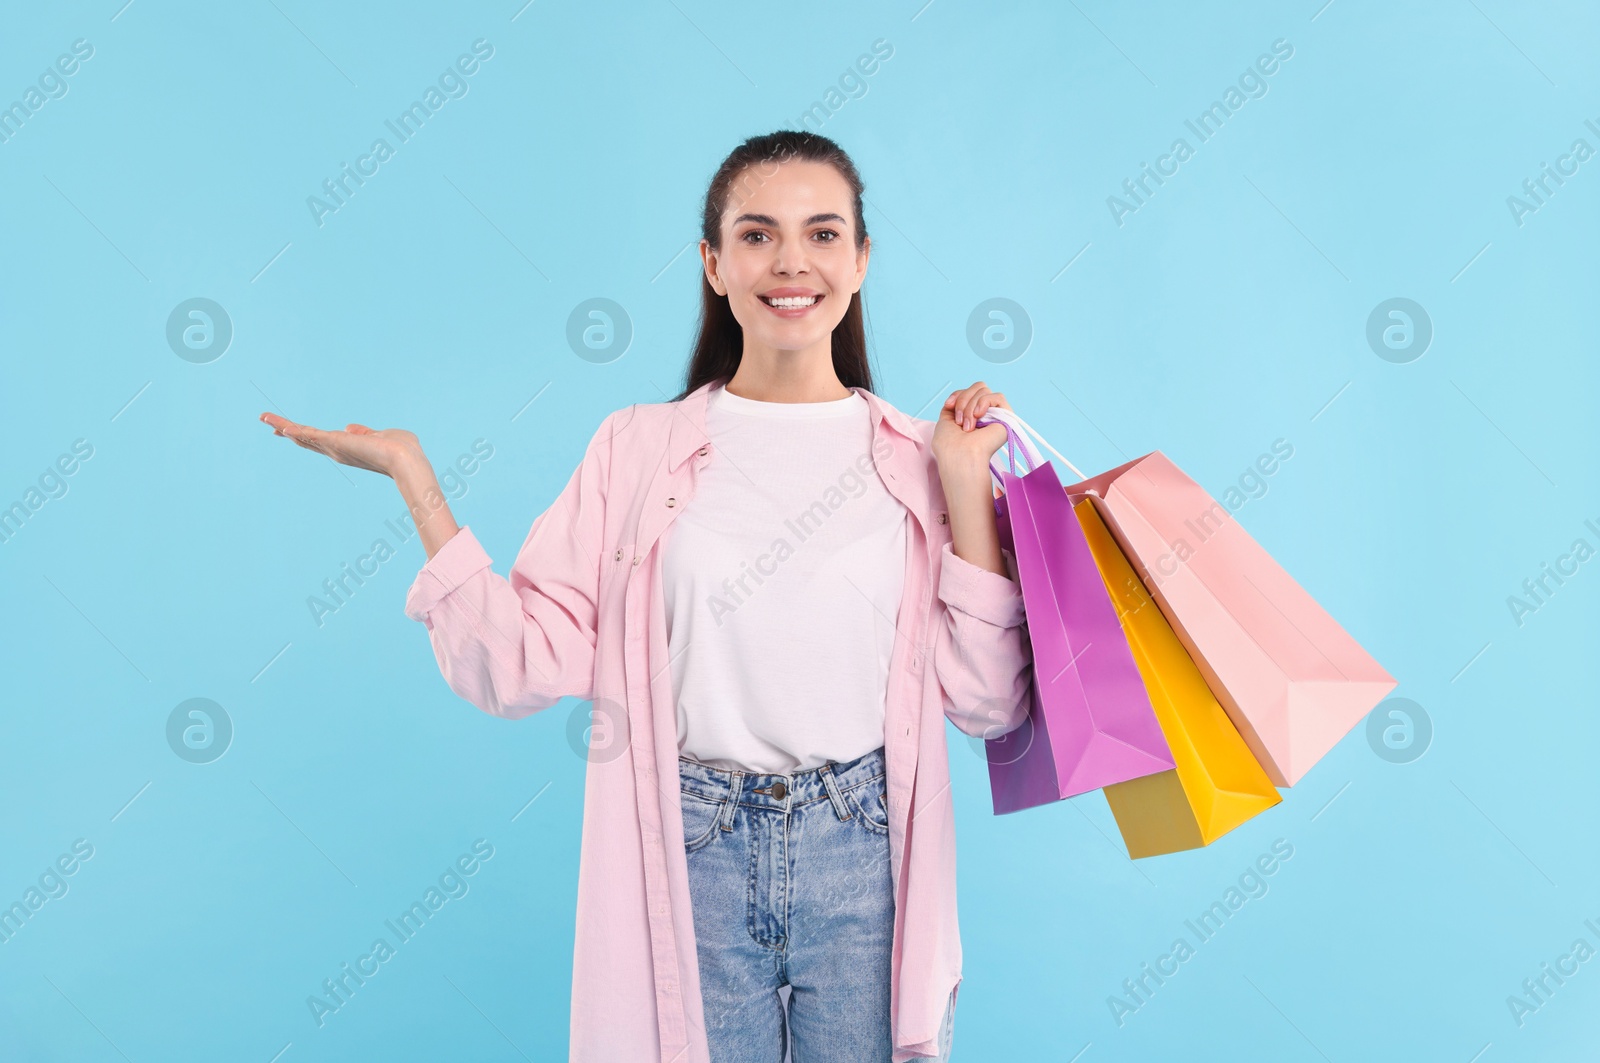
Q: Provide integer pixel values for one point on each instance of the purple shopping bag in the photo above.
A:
(1091, 723)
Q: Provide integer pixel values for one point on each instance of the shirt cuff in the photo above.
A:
(986, 595)
(457, 561)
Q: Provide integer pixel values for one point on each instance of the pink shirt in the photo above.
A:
(582, 616)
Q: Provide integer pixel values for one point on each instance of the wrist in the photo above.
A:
(963, 471)
(413, 471)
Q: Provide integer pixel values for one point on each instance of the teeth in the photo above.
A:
(793, 302)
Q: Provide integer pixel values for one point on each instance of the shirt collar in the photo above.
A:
(689, 421)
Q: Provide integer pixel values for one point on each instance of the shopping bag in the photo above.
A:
(1216, 783)
(1090, 723)
(1292, 680)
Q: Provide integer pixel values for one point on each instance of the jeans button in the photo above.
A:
(779, 790)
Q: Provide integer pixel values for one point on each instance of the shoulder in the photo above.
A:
(918, 430)
(640, 425)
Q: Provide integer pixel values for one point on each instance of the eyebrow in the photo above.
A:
(767, 219)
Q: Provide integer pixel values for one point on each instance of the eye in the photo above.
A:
(833, 237)
(753, 232)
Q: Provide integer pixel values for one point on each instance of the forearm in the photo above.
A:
(982, 653)
(420, 488)
(970, 499)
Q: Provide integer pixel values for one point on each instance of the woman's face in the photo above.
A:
(788, 237)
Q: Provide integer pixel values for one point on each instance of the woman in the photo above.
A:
(773, 589)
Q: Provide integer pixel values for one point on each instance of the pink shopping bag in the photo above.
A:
(1292, 680)
(1091, 723)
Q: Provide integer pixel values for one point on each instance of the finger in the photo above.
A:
(975, 403)
(358, 430)
(968, 401)
(299, 432)
(952, 408)
(284, 427)
(989, 401)
(953, 404)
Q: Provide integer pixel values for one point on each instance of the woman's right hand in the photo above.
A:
(390, 451)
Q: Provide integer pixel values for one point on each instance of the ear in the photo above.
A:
(861, 262)
(708, 259)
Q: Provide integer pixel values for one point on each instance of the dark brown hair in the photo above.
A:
(719, 341)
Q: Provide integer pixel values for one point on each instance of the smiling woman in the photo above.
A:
(798, 727)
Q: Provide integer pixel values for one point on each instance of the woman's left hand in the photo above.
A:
(956, 443)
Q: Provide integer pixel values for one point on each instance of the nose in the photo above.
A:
(791, 258)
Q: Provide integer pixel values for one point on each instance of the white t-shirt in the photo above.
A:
(782, 579)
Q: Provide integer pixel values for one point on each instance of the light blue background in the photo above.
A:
(1224, 314)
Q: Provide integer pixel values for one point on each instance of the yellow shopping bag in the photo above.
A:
(1217, 783)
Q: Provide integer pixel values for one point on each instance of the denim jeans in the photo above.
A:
(790, 884)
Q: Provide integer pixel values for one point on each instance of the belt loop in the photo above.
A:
(840, 809)
(731, 804)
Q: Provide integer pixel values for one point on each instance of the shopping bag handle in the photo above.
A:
(1021, 436)
(1019, 451)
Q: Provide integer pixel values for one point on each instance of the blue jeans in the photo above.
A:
(790, 884)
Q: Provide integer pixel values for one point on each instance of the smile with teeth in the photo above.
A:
(794, 302)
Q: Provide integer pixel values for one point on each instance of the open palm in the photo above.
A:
(383, 450)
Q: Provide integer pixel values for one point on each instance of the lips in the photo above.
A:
(791, 299)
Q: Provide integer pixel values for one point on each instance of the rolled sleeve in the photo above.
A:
(982, 655)
(976, 591)
(515, 645)
(458, 560)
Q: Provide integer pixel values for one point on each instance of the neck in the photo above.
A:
(788, 376)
